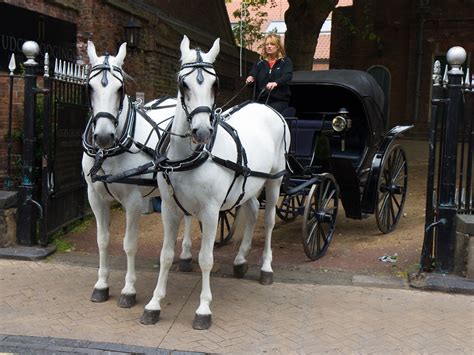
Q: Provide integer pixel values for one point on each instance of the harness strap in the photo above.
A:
(168, 181)
(108, 191)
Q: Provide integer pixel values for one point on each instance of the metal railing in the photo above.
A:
(450, 162)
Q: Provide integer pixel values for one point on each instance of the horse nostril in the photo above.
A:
(112, 136)
(95, 136)
(194, 131)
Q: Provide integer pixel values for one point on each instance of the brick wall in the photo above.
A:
(446, 24)
(16, 124)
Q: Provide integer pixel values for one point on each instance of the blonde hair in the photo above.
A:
(274, 39)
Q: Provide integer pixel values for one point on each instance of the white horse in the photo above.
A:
(126, 139)
(204, 186)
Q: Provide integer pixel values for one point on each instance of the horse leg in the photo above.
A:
(101, 209)
(202, 318)
(171, 217)
(186, 258)
(272, 192)
(133, 211)
(250, 211)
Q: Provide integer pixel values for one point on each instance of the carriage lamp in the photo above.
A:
(132, 29)
(341, 121)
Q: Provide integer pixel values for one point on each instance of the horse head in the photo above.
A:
(106, 93)
(198, 88)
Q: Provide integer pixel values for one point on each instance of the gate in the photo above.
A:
(64, 121)
(450, 179)
(52, 189)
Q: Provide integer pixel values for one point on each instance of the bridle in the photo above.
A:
(200, 66)
(113, 69)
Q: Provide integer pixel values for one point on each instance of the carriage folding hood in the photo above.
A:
(360, 84)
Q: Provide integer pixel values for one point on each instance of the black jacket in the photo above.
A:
(281, 73)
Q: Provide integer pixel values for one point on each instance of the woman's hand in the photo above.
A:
(271, 85)
(250, 79)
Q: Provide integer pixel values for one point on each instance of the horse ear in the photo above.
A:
(91, 52)
(184, 47)
(122, 52)
(214, 51)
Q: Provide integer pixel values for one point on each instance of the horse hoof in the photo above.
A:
(150, 317)
(127, 301)
(266, 278)
(240, 270)
(186, 265)
(100, 295)
(202, 321)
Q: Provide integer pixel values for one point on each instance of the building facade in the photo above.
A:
(409, 37)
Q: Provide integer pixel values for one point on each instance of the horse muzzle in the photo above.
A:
(201, 135)
(104, 141)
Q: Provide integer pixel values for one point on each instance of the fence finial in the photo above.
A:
(456, 57)
(445, 76)
(12, 64)
(46, 65)
(437, 73)
(30, 49)
(467, 82)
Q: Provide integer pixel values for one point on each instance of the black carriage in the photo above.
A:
(341, 150)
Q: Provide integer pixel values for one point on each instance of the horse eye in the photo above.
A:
(185, 86)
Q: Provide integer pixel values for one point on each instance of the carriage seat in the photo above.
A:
(304, 133)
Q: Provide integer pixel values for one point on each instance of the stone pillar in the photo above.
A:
(8, 201)
(464, 253)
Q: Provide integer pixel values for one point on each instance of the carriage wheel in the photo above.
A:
(290, 207)
(392, 189)
(320, 216)
(225, 227)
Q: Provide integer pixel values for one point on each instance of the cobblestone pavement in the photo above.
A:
(51, 299)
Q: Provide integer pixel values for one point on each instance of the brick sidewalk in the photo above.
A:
(50, 299)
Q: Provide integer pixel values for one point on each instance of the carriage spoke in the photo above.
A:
(396, 202)
(329, 199)
(323, 234)
(395, 176)
(384, 203)
(392, 211)
(311, 233)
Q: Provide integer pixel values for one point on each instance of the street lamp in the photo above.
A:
(133, 30)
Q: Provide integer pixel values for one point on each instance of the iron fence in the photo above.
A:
(450, 162)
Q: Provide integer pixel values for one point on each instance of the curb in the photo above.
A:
(48, 345)
(442, 283)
